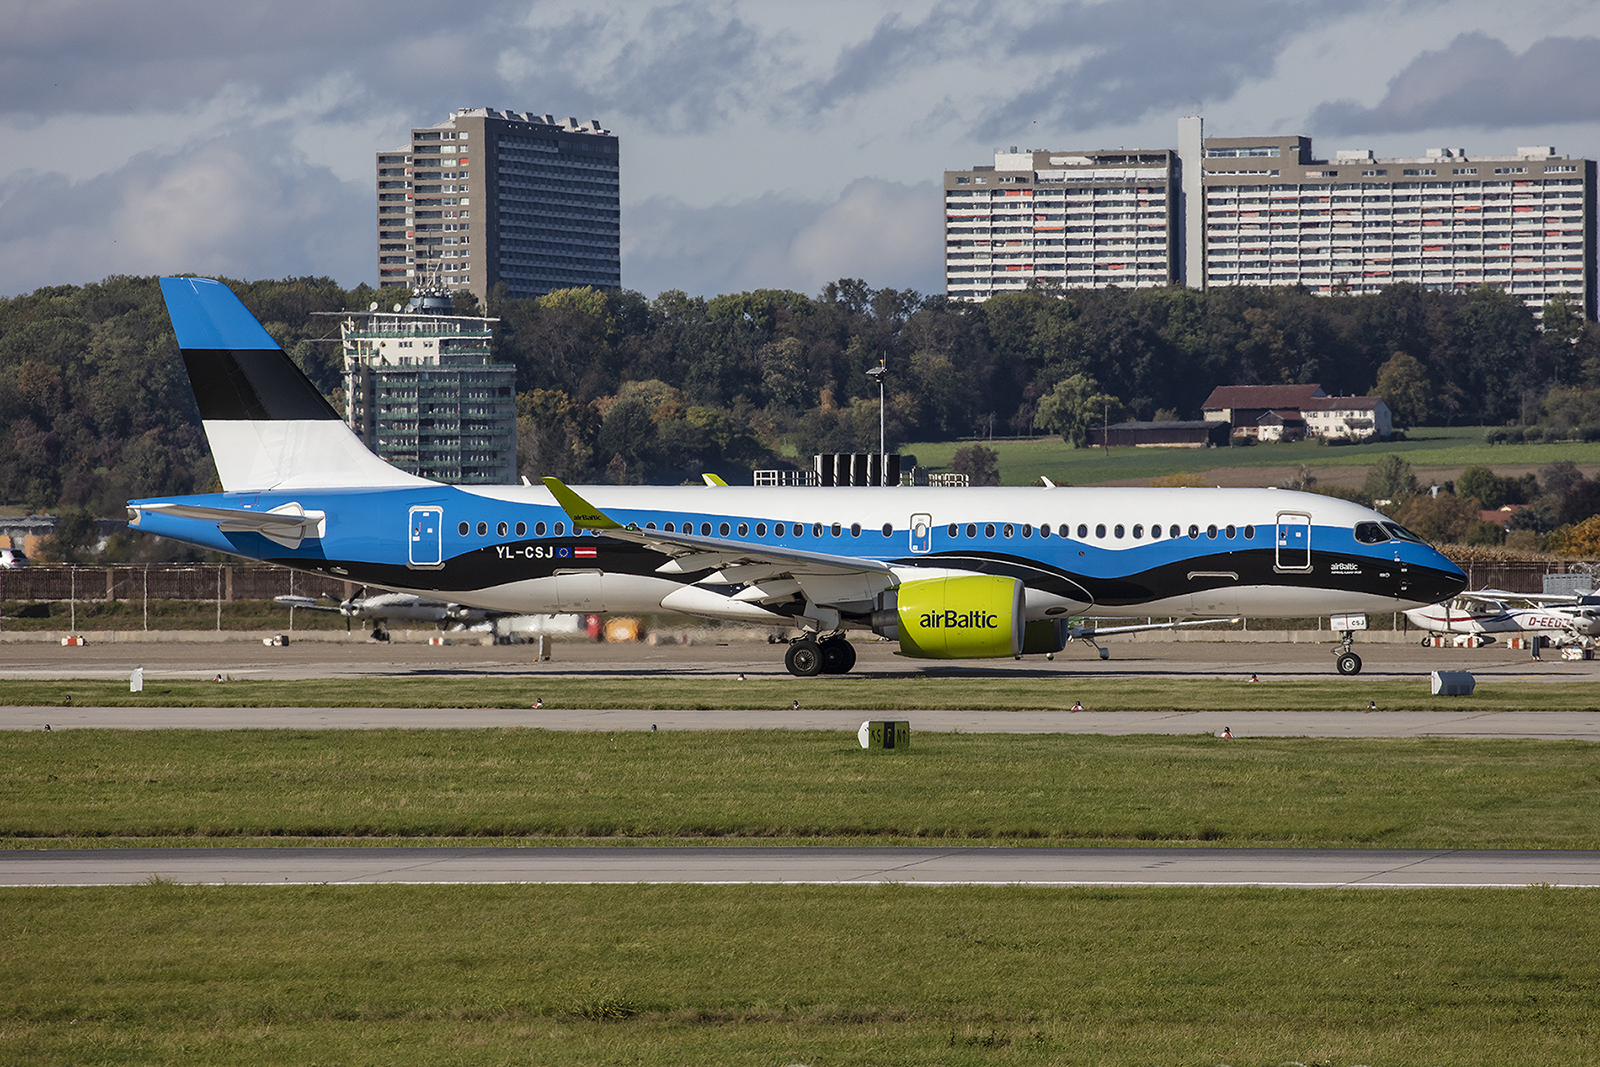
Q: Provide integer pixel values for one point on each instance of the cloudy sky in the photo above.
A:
(777, 143)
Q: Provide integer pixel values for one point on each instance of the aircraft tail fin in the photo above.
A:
(268, 426)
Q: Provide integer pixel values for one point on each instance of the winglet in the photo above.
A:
(712, 479)
(584, 515)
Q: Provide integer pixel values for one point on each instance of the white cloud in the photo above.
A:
(230, 206)
(763, 144)
(889, 234)
(884, 232)
(1476, 81)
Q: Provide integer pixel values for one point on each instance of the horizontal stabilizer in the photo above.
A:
(288, 524)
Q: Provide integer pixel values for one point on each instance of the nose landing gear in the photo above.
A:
(1347, 663)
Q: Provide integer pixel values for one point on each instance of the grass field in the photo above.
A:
(774, 975)
(204, 786)
(166, 974)
(967, 690)
(1023, 461)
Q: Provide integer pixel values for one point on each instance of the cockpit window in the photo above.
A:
(1402, 533)
(1370, 533)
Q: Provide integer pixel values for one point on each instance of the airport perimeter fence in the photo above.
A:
(219, 582)
(1519, 575)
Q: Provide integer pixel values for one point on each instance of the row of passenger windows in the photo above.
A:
(502, 529)
(1118, 531)
(779, 529)
(818, 529)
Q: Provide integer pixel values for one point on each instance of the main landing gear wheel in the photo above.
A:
(838, 655)
(804, 659)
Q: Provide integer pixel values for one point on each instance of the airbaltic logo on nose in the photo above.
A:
(959, 620)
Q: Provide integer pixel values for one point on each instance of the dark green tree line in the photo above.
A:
(614, 386)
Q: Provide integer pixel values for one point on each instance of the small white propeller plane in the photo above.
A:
(944, 573)
(384, 608)
(1564, 619)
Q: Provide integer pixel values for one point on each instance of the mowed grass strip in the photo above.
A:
(174, 786)
(957, 690)
(1022, 460)
(771, 975)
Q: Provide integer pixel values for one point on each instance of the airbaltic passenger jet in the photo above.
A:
(947, 573)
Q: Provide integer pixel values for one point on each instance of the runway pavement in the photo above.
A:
(1309, 868)
(239, 660)
(1463, 722)
(1154, 658)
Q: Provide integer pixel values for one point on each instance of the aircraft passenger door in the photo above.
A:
(922, 533)
(1293, 542)
(427, 537)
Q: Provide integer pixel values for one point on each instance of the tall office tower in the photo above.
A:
(501, 196)
(422, 393)
(1069, 218)
(1274, 215)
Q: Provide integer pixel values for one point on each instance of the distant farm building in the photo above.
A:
(1195, 434)
(1290, 412)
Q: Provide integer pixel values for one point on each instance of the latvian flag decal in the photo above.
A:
(585, 553)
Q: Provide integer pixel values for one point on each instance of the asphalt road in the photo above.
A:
(1309, 868)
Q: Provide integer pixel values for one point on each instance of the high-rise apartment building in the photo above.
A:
(1265, 211)
(422, 392)
(501, 196)
(1089, 218)
(1275, 215)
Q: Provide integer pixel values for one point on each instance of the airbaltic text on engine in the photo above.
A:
(966, 620)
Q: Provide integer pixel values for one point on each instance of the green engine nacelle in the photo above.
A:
(966, 616)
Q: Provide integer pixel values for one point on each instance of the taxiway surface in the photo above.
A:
(1547, 725)
(711, 865)
(1160, 656)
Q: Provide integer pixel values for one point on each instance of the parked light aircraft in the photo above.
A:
(388, 607)
(1565, 620)
(947, 573)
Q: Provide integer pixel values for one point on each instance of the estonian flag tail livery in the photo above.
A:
(268, 426)
(943, 573)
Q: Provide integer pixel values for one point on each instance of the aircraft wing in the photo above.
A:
(693, 552)
(1505, 596)
(768, 574)
(1569, 599)
(1089, 633)
(304, 603)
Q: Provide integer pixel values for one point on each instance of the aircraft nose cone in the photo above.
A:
(1437, 580)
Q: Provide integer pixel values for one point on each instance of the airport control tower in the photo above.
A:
(422, 391)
